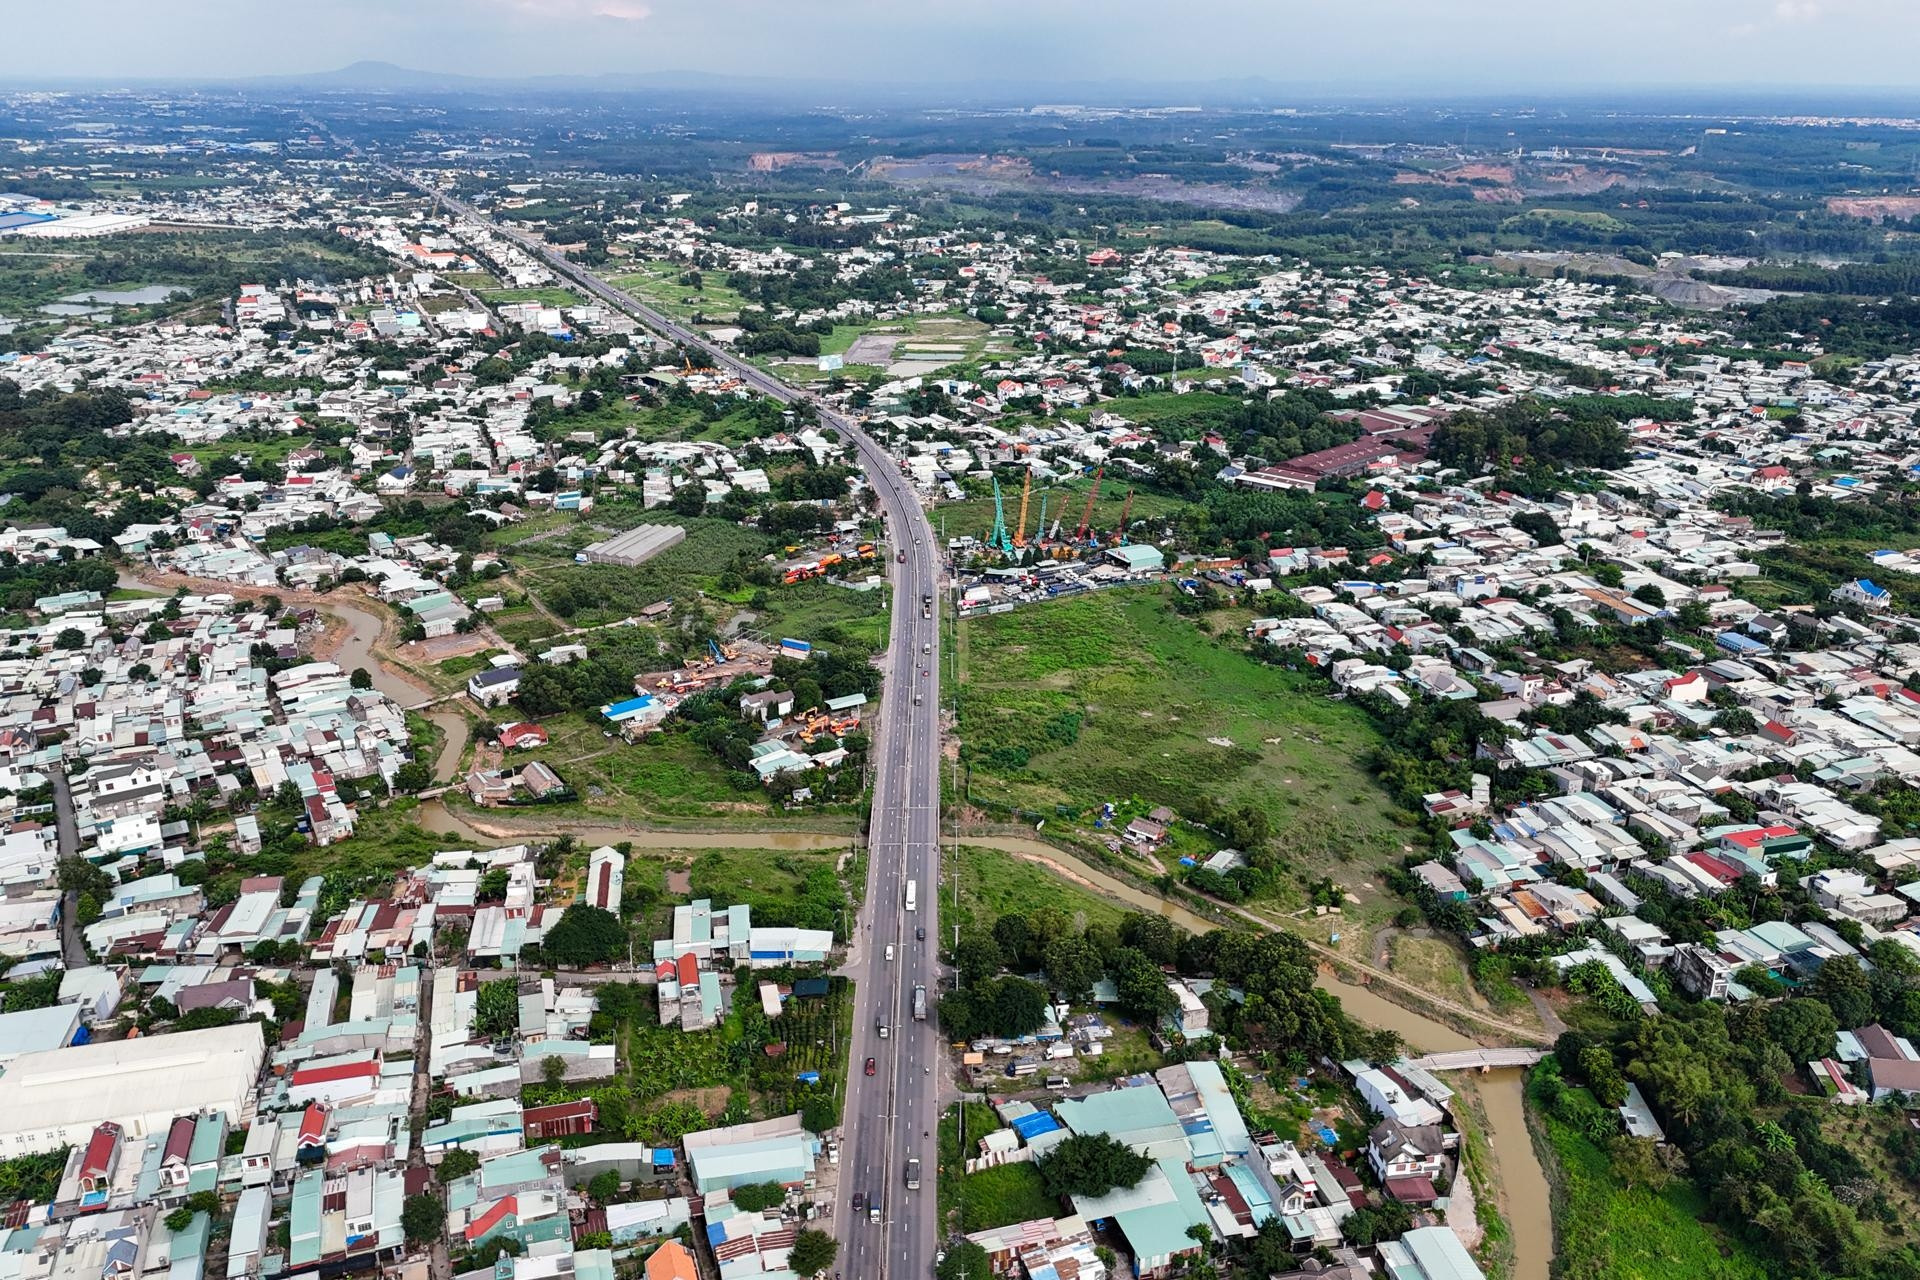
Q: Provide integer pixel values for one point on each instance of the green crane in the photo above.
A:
(1000, 540)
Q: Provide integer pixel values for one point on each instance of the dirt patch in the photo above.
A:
(871, 349)
(680, 881)
(440, 648)
(1874, 208)
(712, 1099)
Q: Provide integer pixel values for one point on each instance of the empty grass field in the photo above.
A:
(994, 884)
(1433, 964)
(1113, 697)
(551, 296)
(1003, 1195)
(760, 878)
(659, 283)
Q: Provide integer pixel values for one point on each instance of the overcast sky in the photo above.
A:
(1363, 44)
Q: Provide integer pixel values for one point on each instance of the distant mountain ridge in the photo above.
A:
(377, 76)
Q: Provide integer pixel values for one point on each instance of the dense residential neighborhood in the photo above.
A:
(1414, 753)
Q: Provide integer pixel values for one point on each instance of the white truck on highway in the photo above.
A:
(919, 1004)
(913, 895)
(913, 1174)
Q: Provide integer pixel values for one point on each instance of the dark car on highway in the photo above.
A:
(869, 1072)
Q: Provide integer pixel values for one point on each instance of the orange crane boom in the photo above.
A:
(1086, 516)
(1026, 491)
(1126, 517)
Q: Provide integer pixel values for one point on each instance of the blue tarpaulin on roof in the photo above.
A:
(1032, 1126)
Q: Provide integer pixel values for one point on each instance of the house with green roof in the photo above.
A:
(1137, 1115)
(1428, 1253)
(1154, 1215)
(482, 1127)
(777, 1150)
(204, 1155)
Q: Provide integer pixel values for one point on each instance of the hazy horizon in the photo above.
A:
(1474, 47)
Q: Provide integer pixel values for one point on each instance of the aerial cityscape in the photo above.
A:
(650, 642)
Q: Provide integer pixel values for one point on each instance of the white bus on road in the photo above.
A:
(913, 895)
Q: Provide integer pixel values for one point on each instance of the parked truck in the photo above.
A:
(919, 1004)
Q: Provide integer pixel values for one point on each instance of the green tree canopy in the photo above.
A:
(965, 1260)
(813, 1252)
(585, 936)
(1091, 1164)
(496, 1010)
(422, 1218)
(457, 1163)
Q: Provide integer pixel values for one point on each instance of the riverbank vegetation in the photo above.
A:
(1607, 1227)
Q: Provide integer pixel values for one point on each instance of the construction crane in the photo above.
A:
(1126, 518)
(998, 539)
(1026, 491)
(1086, 516)
(1040, 529)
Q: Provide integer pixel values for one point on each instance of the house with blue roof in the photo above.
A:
(638, 712)
(1862, 592)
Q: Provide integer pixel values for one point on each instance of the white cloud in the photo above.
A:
(616, 10)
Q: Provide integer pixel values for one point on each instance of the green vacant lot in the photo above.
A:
(771, 881)
(994, 884)
(662, 777)
(1002, 1196)
(1605, 1230)
(1113, 697)
(552, 296)
(1185, 414)
(659, 284)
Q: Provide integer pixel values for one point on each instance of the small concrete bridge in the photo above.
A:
(1478, 1059)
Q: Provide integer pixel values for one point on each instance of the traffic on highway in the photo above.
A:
(892, 1104)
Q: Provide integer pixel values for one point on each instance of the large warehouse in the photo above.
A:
(54, 1098)
(636, 545)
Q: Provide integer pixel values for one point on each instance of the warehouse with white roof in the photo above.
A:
(54, 1098)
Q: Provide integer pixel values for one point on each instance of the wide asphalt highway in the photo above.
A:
(891, 1115)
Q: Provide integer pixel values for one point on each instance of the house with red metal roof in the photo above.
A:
(338, 1081)
(100, 1159)
(606, 870)
(562, 1120)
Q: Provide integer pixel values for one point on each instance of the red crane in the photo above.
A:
(1126, 518)
(1086, 516)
